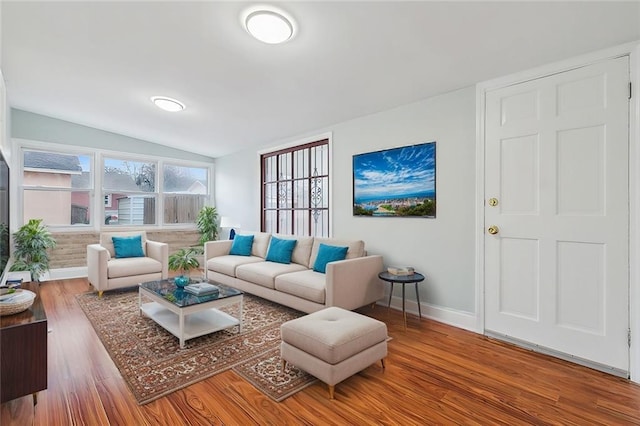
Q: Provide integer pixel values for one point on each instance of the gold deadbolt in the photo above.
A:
(493, 202)
(493, 230)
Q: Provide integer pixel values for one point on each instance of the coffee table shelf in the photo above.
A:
(195, 325)
(187, 316)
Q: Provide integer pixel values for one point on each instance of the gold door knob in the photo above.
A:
(493, 202)
(493, 230)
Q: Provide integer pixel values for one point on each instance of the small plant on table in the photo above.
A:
(184, 260)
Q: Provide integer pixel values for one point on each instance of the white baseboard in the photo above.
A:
(66, 273)
(25, 276)
(460, 319)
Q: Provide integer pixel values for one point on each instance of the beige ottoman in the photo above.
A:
(333, 344)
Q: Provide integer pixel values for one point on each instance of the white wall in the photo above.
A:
(36, 127)
(441, 248)
(237, 189)
(5, 146)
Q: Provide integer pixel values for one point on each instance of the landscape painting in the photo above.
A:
(398, 182)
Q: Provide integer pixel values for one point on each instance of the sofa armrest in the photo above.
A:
(353, 283)
(216, 248)
(97, 258)
(160, 252)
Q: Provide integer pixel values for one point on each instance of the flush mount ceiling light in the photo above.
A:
(167, 104)
(269, 26)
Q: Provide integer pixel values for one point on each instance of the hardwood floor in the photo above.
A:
(435, 374)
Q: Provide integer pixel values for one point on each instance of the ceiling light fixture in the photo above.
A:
(167, 104)
(269, 26)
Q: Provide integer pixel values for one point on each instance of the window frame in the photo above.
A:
(324, 140)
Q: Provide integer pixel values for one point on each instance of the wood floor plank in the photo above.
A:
(194, 403)
(214, 393)
(435, 374)
(259, 407)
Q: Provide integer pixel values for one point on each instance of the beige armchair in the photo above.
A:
(106, 272)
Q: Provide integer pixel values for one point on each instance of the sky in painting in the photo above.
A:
(395, 173)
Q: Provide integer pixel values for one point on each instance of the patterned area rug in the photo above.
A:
(153, 365)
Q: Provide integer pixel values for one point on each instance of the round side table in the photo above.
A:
(414, 278)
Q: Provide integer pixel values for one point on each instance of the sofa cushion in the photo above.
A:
(260, 244)
(129, 266)
(302, 250)
(264, 273)
(307, 284)
(280, 250)
(128, 246)
(227, 264)
(356, 248)
(106, 240)
(328, 254)
(242, 245)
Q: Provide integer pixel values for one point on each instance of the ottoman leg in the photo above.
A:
(382, 362)
(332, 388)
(284, 364)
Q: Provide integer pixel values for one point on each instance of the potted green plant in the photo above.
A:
(184, 260)
(31, 243)
(207, 223)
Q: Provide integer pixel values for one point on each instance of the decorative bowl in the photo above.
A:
(14, 303)
(181, 280)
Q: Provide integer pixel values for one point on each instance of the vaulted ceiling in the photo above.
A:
(98, 63)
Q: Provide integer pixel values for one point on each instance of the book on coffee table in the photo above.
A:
(200, 289)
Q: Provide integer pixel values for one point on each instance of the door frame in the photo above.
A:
(633, 51)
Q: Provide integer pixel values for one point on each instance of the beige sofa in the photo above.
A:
(106, 272)
(348, 284)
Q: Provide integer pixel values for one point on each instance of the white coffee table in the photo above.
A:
(185, 315)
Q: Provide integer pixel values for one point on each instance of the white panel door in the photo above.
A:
(556, 161)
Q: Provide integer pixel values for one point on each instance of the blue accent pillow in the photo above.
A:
(280, 250)
(242, 245)
(328, 254)
(128, 246)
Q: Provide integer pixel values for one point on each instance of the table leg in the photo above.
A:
(404, 312)
(181, 329)
(390, 294)
(418, 300)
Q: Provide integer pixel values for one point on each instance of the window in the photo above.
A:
(60, 186)
(131, 186)
(57, 187)
(186, 190)
(295, 183)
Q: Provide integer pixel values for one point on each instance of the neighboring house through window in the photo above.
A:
(57, 187)
(132, 188)
(295, 190)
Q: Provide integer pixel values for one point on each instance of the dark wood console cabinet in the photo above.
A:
(23, 350)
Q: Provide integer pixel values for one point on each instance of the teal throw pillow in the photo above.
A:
(328, 254)
(242, 245)
(128, 246)
(280, 250)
